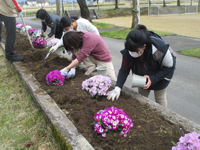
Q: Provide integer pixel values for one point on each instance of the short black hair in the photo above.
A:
(65, 22)
(42, 14)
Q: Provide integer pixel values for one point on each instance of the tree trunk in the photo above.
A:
(58, 7)
(164, 4)
(62, 8)
(84, 10)
(136, 14)
(149, 3)
(198, 5)
(116, 4)
(178, 3)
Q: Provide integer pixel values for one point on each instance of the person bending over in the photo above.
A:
(90, 49)
(146, 54)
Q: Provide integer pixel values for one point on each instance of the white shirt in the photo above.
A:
(83, 25)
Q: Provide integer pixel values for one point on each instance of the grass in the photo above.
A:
(102, 25)
(191, 52)
(122, 33)
(22, 125)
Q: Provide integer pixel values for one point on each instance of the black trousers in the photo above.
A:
(10, 24)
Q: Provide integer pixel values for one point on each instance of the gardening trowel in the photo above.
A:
(47, 55)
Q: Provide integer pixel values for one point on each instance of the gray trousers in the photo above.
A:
(10, 24)
(160, 95)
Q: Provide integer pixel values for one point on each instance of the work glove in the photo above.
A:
(20, 13)
(71, 73)
(64, 71)
(114, 94)
(53, 49)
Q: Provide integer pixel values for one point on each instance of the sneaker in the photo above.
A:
(14, 59)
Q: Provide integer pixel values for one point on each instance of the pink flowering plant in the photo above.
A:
(97, 85)
(38, 39)
(190, 141)
(52, 42)
(112, 119)
(55, 78)
(18, 25)
(31, 31)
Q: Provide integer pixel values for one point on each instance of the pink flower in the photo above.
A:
(109, 119)
(55, 78)
(97, 85)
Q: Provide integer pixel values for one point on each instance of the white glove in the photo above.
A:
(53, 49)
(64, 72)
(114, 94)
(20, 14)
(71, 73)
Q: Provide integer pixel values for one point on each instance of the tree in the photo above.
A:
(58, 7)
(178, 3)
(164, 4)
(84, 10)
(116, 4)
(149, 3)
(136, 13)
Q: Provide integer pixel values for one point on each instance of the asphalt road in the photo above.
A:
(183, 92)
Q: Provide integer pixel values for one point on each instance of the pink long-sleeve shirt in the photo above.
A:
(93, 45)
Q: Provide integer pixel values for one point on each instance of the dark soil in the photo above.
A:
(151, 131)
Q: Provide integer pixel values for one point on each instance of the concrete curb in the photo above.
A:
(55, 115)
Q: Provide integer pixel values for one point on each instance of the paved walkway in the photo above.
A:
(176, 42)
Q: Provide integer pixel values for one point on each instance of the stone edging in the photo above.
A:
(55, 115)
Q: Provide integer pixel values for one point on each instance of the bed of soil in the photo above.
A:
(151, 131)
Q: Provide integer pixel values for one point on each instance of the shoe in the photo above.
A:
(16, 55)
(14, 59)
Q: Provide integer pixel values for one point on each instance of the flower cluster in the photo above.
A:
(52, 42)
(112, 118)
(55, 78)
(97, 86)
(39, 42)
(38, 39)
(22, 26)
(18, 26)
(190, 141)
(31, 31)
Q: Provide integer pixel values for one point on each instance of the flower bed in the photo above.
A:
(150, 131)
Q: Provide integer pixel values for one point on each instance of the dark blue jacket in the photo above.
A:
(160, 75)
(52, 21)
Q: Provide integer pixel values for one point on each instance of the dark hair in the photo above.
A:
(73, 40)
(66, 21)
(136, 38)
(42, 14)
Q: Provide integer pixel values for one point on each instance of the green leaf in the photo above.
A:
(173, 143)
